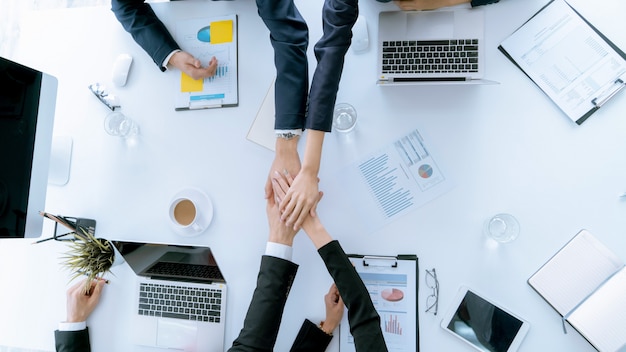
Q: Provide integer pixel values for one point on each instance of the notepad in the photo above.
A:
(206, 38)
(573, 63)
(585, 282)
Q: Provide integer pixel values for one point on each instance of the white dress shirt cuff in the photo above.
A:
(63, 326)
(279, 250)
(168, 57)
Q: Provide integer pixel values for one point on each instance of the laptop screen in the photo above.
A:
(173, 262)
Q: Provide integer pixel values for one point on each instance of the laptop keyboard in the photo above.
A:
(432, 56)
(189, 303)
(185, 270)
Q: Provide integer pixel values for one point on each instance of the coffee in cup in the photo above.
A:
(184, 212)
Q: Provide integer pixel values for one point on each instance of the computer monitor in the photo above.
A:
(27, 106)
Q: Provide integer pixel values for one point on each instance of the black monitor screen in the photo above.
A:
(20, 89)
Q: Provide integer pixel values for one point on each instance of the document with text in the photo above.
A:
(395, 180)
(576, 66)
(392, 285)
(206, 38)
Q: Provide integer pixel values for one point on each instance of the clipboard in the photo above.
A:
(393, 285)
(206, 38)
(578, 88)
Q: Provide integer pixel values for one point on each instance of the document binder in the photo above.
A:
(392, 282)
(572, 62)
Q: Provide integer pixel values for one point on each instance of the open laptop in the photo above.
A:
(442, 46)
(180, 300)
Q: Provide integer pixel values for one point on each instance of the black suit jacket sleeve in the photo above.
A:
(149, 32)
(362, 316)
(72, 341)
(338, 18)
(260, 327)
(310, 338)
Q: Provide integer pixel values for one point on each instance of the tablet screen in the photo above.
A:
(484, 325)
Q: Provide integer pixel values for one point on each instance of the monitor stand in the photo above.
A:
(60, 158)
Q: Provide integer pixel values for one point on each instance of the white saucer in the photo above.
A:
(204, 206)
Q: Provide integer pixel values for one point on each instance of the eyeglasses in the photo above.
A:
(432, 301)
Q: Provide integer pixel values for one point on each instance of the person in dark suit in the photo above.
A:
(276, 274)
(73, 334)
(298, 108)
(411, 5)
(138, 19)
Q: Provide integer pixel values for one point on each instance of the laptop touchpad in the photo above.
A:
(431, 24)
(177, 333)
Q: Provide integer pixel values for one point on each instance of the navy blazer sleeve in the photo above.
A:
(260, 327)
(362, 316)
(72, 341)
(310, 339)
(289, 36)
(338, 18)
(149, 32)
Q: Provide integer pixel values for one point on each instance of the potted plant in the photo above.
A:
(88, 256)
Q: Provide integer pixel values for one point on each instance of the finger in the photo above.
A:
(289, 207)
(282, 183)
(278, 191)
(298, 215)
(288, 178)
(269, 191)
(96, 288)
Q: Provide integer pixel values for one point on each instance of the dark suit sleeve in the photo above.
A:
(289, 36)
(362, 316)
(338, 17)
(310, 339)
(149, 32)
(260, 327)
(72, 341)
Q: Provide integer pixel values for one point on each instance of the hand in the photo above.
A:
(192, 66)
(81, 304)
(334, 309)
(301, 199)
(285, 159)
(408, 5)
(279, 232)
(281, 185)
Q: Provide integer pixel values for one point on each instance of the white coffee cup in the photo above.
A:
(186, 215)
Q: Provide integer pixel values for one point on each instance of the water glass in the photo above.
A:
(118, 124)
(502, 228)
(344, 117)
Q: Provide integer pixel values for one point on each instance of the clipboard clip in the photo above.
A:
(374, 260)
(607, 94)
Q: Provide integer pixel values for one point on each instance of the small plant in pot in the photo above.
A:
(88, 256)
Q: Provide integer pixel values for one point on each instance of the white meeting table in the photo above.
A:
(506, 148)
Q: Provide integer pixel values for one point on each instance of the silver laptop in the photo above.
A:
(180, 300)
(431, 47)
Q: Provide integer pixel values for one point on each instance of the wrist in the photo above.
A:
(326, 328)
(287, 146)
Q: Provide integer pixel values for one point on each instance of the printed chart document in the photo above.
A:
(206, 38)
(586, 284)
(392, 285)
(574, 64)
(393, 181)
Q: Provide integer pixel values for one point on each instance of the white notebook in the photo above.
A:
(585, 282)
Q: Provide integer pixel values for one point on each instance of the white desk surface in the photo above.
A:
(506, 146)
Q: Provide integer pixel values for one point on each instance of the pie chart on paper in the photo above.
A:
(425, 171)
(392, 294)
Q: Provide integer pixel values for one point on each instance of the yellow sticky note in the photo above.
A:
(188, 84)
(221, 32)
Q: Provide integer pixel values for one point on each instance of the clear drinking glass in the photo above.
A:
(118, 124)
(502, 228)
(344, 117)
